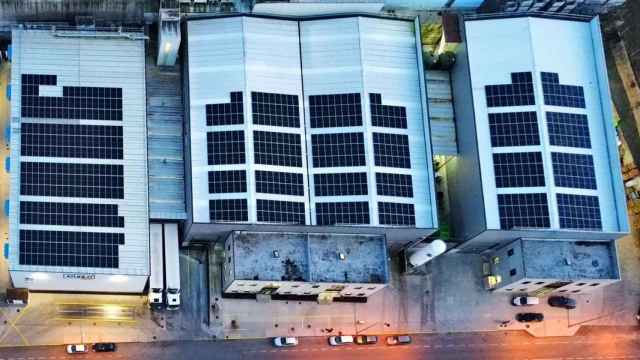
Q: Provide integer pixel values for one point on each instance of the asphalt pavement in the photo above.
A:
(496, 346)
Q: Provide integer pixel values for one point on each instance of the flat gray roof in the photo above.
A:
(310, 257)
(570, 260)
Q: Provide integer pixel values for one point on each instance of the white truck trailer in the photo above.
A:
(156, 278)
(172, 266)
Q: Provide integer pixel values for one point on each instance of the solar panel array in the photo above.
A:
(561, 95)
(518, 93)
(66, 187)
(521, 169)
(514, 129)
(573, 170)
(528, 210)
(579, 212)
(335, 110)
(570, 130)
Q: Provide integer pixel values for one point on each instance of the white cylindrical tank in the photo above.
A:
(425, 254)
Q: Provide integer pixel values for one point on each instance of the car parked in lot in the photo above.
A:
(283, 341)
(366, 339)
(398, 340)
(104, 347)
(525, 301)
(562, 302)
(529, 317)
(340, 340)
(77, 349)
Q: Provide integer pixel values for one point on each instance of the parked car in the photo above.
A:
(77, 349)
(104, 347)
(525, 301)
(340, 340)
(529, 317)
(563, 302)
(398, 340)
(366, 339)
(285, 341)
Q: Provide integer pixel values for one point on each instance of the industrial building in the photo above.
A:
(307, 125)
(538, 151)
(79, 218)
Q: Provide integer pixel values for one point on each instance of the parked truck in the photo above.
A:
(172, 266)
(156, 278)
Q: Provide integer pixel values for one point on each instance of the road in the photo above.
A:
(496, 346)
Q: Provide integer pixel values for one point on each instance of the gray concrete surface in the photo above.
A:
(569, 260)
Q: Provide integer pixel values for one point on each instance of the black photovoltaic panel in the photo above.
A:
(396, 214)
(282, 212)
(335, 110)
(394, 185)
(72, 180)
(518, 93)
(75, 141)
(391, 150)
(69, 248)
(70, 214)
(338, 150)
(571, 130)
(275, 148)
(573, 170)
(228, 210)
(230, 181)
(275, 109)
(518, 169)
(580, 212)
(387, 115)
(275, 182)
(227, 113)
(340, 184)
(225, 147)
(514, 129)
(561, 95)
(77, 102)
(347, 213)
(523, 211)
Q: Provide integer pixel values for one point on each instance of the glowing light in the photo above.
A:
(112, 311)
(167, 47)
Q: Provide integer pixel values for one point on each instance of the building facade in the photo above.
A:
(79, 212)
(314, 125)
(538, 151)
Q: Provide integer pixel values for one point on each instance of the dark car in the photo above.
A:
(366, 339)
(529, 317)
(399, 340)
(562, 302)
(104, 347)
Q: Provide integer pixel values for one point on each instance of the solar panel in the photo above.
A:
(71, 141)
(514, 129)
(340, 184)
(394, 185)
(275, 148)
(518, 93)
(342, 213)
(275, 109)
(282, 212)
(275, 182)
(69, 248)
(335, 110)
(72, 180)
(338, 150)
(225, 147)
(561, 95)
(387, 115)
(571, 130)
(396, 214)
(229, 181)
(523, 211)
(391, 150)
(76, 102)
(228, 210)
(226, 113)
(523, 169)
(70, 214)
(573, 170)
(581, 212)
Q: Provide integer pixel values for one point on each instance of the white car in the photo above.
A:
(525, 301)
(285, 341)
(340, 340)
(77, 349)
